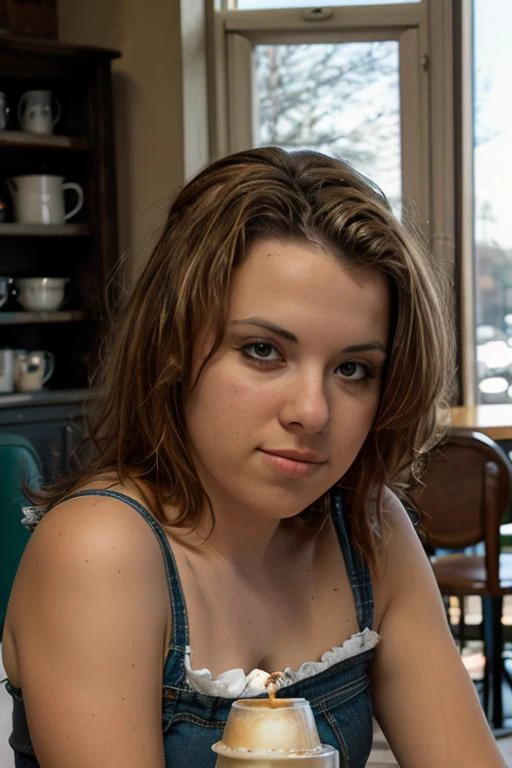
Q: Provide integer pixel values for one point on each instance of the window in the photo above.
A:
(492, 224)
(352, 84)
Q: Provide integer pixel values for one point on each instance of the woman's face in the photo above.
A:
(282, 408)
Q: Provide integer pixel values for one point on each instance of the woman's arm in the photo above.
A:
(89, 613)
(423, 697)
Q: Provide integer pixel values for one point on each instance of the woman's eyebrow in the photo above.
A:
(369, 346)
(261, 323)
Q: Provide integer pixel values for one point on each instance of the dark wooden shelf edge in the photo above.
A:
(59, 47)
(26, 318)
(23, 140)
(44, 397)
(44, 230)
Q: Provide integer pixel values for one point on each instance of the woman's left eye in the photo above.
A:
(261, 351)
(354, 371)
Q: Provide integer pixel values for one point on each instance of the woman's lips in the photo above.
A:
(294, 463)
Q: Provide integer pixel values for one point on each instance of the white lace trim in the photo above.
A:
(235, 684)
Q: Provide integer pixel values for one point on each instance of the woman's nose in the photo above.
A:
(306, 405)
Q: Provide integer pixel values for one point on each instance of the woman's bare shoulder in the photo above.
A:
(90, 544)
(95, 521)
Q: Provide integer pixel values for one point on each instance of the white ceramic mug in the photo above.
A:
(38, 112)
(39, 199)
(32, 369)
(7, 364)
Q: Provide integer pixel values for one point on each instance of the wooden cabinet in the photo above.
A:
(84, 249)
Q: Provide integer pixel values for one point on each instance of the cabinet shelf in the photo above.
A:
(13, 139)
(44, 230)
(44, 397)
(23, 318)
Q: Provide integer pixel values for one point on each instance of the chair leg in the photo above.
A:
(485, 681)
(493, 648)
(462, 623)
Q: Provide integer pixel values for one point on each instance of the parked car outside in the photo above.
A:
(493, 364)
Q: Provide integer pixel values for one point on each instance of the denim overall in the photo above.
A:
(192, 721)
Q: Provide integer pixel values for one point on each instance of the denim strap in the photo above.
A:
(175, 663)
(358, 573)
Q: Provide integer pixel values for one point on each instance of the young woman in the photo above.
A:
(266, 394)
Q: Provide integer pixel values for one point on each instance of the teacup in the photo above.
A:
(33, 369)
(38, 112)
(41, 294)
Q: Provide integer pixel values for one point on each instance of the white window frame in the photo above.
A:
(466, 278)
(404, 24)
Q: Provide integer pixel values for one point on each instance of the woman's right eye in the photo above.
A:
(261, 352)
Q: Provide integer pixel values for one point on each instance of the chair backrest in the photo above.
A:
(19, 465)
(466, 493)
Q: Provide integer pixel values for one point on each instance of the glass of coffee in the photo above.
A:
(264, 733)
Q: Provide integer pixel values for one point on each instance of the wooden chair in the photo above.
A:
(466, 493)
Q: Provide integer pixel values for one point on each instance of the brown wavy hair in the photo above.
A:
(136, 427)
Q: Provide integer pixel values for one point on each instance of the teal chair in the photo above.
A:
(19, 466)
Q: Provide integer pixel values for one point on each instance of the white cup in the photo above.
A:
(32, 370)
(40, 294)
(38, 112)
(272, 735)
(7, 364)
(39, 199)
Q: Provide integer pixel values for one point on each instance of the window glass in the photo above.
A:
(339, 98)
(246, 5)
(492, 110)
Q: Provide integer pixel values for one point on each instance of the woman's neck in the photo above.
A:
(246, 540)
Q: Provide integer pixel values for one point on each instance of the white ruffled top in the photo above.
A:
(235, 684)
